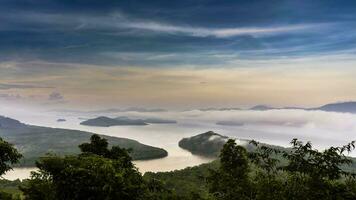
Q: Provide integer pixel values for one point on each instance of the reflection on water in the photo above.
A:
(19, 173)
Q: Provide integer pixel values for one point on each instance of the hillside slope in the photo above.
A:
(35, 141)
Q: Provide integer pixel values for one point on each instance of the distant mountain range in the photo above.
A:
(36, 141)
(219, 109)
(124, 121)
(342, 107)
(112, 110)
(345, 107)
(132, 109)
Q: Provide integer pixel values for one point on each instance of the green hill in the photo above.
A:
(206, 144)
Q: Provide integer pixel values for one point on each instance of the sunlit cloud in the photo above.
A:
(215, 32)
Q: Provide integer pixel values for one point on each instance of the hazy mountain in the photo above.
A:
(261, 108)
(344, 107)
(107, 121)
(35, 141)
(124, 121)
(132, 109)
(111, 110)
(229, 123)
(219, 109)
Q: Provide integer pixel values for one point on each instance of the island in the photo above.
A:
(103, 121)
(35, 141)
(206, 144)
(209, 144)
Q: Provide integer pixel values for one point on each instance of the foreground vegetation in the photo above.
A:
(101, 172)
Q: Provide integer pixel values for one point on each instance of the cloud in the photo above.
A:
(216, 32)
(4, 86)
(274, 126)
(55, 96)
(10, 96)
(117, 38)
(117, 22)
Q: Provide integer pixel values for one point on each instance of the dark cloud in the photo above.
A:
(55, 96)
(92, 31)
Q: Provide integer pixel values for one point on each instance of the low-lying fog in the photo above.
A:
(276, 127)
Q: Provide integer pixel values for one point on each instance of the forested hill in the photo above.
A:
(35, 141)
(210, 144)
(207, 144)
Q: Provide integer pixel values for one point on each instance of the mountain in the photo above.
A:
(111, 110)
(219, 109)
(208, 144)
(137, 109)
(131, 109)
(343, 107)
(262, 108)
(107, 122)
(124, 121)
(36, 141)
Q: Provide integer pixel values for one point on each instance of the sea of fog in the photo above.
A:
(276, 127)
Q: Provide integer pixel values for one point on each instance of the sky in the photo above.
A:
(92, 54)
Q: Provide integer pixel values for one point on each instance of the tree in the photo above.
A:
(267, 181)
(297, 173)
(97, 173)
(8, 156)
(318, 175)
(231, 181)
(99, 146)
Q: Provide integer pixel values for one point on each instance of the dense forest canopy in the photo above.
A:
(104, 172)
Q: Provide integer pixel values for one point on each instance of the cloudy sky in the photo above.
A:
(176, 54)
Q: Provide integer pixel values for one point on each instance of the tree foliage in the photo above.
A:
(305, 174)
(232, 176)
(8, 156)
(98, 173)
(266, 173)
